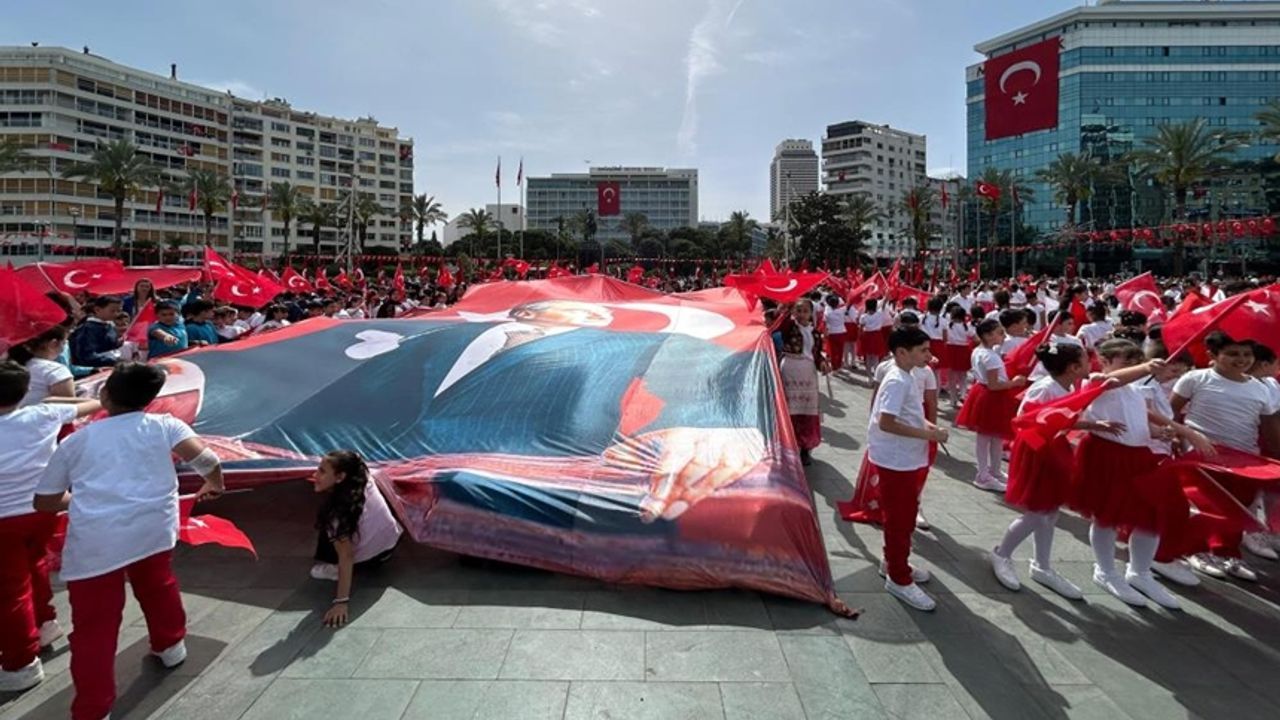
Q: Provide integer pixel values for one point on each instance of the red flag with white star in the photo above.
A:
(205, 529)
(1021, 90)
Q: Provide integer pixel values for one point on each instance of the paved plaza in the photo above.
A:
(434, 637)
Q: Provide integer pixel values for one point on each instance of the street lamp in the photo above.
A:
(75, 231)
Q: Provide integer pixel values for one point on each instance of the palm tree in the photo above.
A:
(1072, 178)
(1269, 118)
(118, 170)
(426, 212)
(918, 204)
(365, 210)
(285, 201)
(635, 223)
(1013, 190)
(860, 213)
(476, 220)
(318, 216)
(15, 157)
(1178, 157)
(738, 230)
(213, 194)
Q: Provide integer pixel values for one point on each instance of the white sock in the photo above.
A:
(1044, 538)
(1103, 541)
(1142, 550)
(982, 453)
(1020, 529)
(996, 457)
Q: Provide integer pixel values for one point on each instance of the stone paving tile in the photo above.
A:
(714, 657)
(534, 609)
(918, 702)
(299, 699)
(828, 679)
(332, 654)
(437, 654)
(488, 700)
(635, 608)
(575, 655)
(761, 701)
(892, 662)
(643, 701)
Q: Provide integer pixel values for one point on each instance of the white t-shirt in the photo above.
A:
(924, 377)
(1042, 391)
(983, 359)
(835, 320)
(44, 375)
(1229, 412)
(1010, 344)
(963, 301)
(932, 326)
(124, 491)
(900, 396)
(1126, 404)
(378, 530)
(28, 437)
(1017, 299)
(1093, 333)
(872, 322)
(957, 333)
(1158, 395)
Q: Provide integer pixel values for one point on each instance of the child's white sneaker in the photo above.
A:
(174, 656)
(22, 678)
(49, 633)
(325, 571)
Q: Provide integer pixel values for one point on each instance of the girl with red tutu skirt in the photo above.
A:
(872, 346)
(865, 505)
(1115, 484)
(957, 337)
(932, 325)
(802, 360)
(1040, 478)
(990, 405)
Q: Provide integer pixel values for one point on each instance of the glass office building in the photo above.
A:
(1128, 68)
(667, 197)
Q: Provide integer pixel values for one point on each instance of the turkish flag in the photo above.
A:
(269, 274)
(73, 277)
(894, 279)
(193, 197)
(444, 278)
(975, 274)
(1185, 330)
(397, 281)
(873, 289)
(608, 199)
(236, 285)
(295, 282)
(783, 287)
(1022, 359)
(902, 292)
(216, 267)
(1040, 422)
(205, 529)
(593, 269)
(1141, 294)
(24, 310)
(322, 281)
(556, 271)
(137, 331)
(635, 274)
(1021, 90)
(988, 190)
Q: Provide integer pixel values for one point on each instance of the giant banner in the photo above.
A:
(581, 424)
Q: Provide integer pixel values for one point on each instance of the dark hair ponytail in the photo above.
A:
(1056, 358)
(339, 514)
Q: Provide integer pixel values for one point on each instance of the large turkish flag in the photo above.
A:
(1022, 90)
(608, 199)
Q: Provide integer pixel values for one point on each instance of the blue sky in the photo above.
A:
(711, 84)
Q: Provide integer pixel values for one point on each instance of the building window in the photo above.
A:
(279, 127)
(281, 172)
(306, 175)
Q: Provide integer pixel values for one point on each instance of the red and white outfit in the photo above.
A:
(932, 326)
(872, 343)
(1040, 479)
(801, 356)
(865, 505)
(986, 411)
(30, 437)
(123, 523)
(835, 318)
(1038, 372)
(959, 340)
(901, 464)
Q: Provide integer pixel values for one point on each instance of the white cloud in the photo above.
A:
(702, 61)
(544, 22)
(239, 88)
(946, 172)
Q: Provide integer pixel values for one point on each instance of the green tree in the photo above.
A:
(860, 213)
(1269, 119)
(366, 209)
(918, 204)
(318, 216)
(635, 223)
(16, 157)
(119, 170)
(738, 232)
(285, 201)
(1180, 156)
(213, 194)
(1072, 178)
(478, 221)
(821, 229)
(426, 212)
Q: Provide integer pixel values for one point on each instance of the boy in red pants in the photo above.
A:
(898, 437)
(117, 481)
(28, 437)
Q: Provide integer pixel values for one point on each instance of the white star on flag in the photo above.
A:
(1259, 308)
(1020, 98)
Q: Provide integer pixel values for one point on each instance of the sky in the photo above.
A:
(709, 84)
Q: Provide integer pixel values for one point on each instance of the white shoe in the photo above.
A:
(174, 656)
(912, 595)
(22, 679)
(918, 574)
(1050, 578)
(1003, 568)
(325, 571)
(922, 523)
(1116, 585)
(1209, 565)
(1259, 544)
(49, 633)
(1178, 572)
(1238, 570)
(1146, 584)
(989, 483)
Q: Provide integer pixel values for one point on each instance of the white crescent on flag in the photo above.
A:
(235, 290)
(1024, 66)
(791, 284)
(296, 282)
(70, 282)
(1140, 300)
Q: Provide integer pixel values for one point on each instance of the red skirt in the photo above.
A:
(988, 412)
(808, 430)
(835, 350)
(872, 344)
(939, 350)
(1116, 486)
(1040, 480)
(957, 358)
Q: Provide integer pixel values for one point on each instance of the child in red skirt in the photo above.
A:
(802, 360)
(871, 338)
(990, 405)
(1040, 478)
(898, 437)
(836, 329)
(1115, 484)
(932, 324)
(958, 339)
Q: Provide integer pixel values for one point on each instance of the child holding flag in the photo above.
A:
(990, 405)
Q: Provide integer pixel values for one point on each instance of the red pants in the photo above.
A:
(25, 596)
(835, 350)
(899, 501)
(97, 605)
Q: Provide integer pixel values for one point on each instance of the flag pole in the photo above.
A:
(1013, 235)
(498, 181)
(522, 209)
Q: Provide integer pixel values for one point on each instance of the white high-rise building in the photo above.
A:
(792, 174)
(667, 197)
(881, 163)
